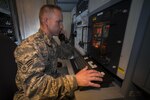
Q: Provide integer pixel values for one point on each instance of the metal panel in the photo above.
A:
(4, 7)
(66, 5)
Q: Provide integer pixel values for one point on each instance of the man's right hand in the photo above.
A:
(85, 77)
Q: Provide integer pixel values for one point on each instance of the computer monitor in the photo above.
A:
(106, 34)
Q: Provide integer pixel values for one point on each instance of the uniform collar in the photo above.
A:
(46, 38)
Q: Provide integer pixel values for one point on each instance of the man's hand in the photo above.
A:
(85, 76)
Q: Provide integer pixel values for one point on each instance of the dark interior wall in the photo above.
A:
(8, 68)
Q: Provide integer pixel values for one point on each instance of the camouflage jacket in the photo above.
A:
(37, 77)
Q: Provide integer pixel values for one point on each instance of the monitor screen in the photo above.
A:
(106, 34)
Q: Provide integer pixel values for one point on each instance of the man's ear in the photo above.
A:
(46, 20)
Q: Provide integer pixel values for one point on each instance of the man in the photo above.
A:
(37, 77)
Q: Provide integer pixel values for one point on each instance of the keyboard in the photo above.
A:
(80, 62)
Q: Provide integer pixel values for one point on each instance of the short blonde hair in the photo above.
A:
(47, 9)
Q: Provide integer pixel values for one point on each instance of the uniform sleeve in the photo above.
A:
(34, 82)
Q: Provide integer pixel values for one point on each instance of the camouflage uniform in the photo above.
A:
(37, 76)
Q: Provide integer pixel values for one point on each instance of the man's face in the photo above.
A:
(55, 23)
